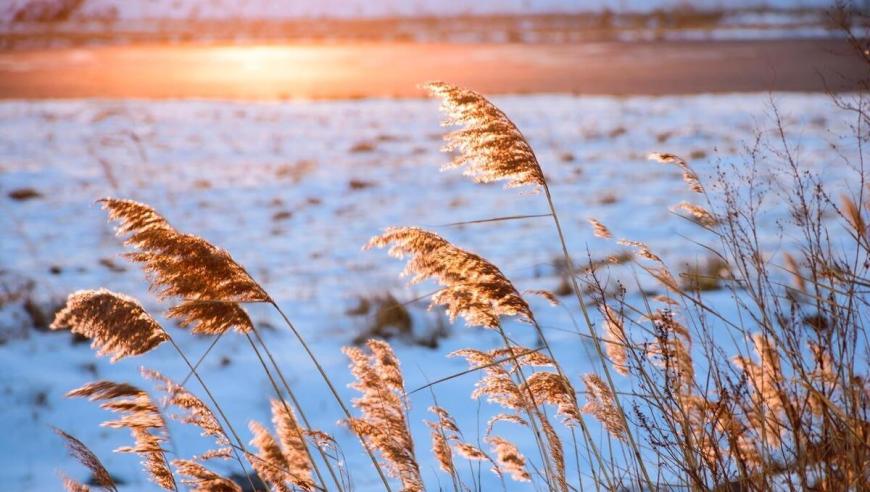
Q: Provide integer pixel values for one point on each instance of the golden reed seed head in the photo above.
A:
(491, 147)
(86, 457)
(704, 217)
(141, 416)
(180, 265)
(473, 287)
(201, 479)
(211, 318)
(70, 485)
(291, 437)
(689, 176)
(116, 324)
(384, 423)
(615, 340)
(443, 431)
(599, 229)
(269, 463)
(554, 389)
(642, 249)
(195, 411)
(601, 404)
(509, 458)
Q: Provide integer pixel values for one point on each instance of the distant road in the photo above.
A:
(394, 69)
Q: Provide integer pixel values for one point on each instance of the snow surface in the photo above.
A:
(271, 182)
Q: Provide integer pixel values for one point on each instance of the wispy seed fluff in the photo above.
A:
(116, 324)
(86, 457)
(491, 147)
(201, 479)
(474, 288)
(600, 403)
(384, 422)
(142, 417)
(689, 176)
(184, 266)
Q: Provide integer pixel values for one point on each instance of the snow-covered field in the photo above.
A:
(293, 190)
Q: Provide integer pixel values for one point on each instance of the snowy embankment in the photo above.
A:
(293, 190)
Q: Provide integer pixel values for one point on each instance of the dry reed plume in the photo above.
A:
(384, 422)
(86, 457)
(116, 324)
(600, 403)
(206, 278)
(472, 287)
(491, 146)
(139, 415)
(600, 229)
(615, 339)
(201, 479)
(689, 176)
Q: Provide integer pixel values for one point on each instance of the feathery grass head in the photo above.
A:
(491, 147)
(293, 445)
(554, 389)
(195, 411)
(116, 324)
(269, 463)
(210, 317)
(180, 265)
(86, 457)
(142, 417)
(70, 485)
(384, 423)
(600, 229)
(474, 288)
(689, 175)
(601, 404)
(615, 339)
(201, 479)
(699, 213)
(509, 458)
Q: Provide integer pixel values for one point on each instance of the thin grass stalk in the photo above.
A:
(287, 408)
(220, 410)
(602, 358)
(331, 389)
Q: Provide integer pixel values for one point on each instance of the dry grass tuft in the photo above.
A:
(473, 287)
(116, 324)
(491, 147)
